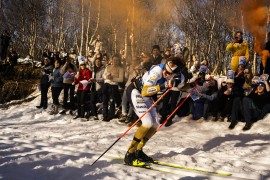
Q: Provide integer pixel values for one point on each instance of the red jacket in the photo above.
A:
(84, 74)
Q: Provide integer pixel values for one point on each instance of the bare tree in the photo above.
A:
(97, 23)
(88, 26)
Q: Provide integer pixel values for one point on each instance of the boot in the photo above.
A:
(78, 113)
(130, 159)
(56, 109)
(39, 107)
(63, 111)
(221, 119)
(71, 112)
(141, 156)
(233, 124)
(247, 126)
(88, 114)
(52, 112)
(123, 118)
(162, 119)
(45, 104)
(82, 111)
(169, 123)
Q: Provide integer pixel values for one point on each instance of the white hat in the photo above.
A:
(230, 81)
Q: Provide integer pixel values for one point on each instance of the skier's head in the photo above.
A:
(173, 66)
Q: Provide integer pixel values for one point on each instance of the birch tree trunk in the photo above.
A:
(243, 24)
(88, 27)
(254, 63)
(33, 34)
(60, 39)
(97, 24)
(132, 33)
(51, 45)
(212, 23)
(23, 26)
(126, 37)
(82, 28)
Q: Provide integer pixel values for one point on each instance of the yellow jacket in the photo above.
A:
(237, 50)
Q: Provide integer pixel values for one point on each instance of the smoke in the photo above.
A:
(255, 14)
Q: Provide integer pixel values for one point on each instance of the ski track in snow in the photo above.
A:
(36, 145)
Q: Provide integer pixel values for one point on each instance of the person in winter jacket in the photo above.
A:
(170, 100)
(254, 106)
(238, 47)
(83, 77)
(96, 83)
(113, 75)
(44, 85)
(210, 99)
(11, 61)
(69, 70)
(56, 86)
(5, 40)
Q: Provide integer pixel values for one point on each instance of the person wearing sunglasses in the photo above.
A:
(139, 94)
(255, 106)
(238, 48)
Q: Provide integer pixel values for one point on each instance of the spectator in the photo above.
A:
(72, 53)
(180, 49)
(131, 72)
(167, 53)
(98, 44)
(210, 99)
(69, 71)
(11, 61)
(56, 79)
(113, 75)
(255, 106)
(44, 85)
(55, 54)
(265, 66)
(97, 82)
(196, 104)
(238, 47)
(170, 100)
(63, 55)
(156, 58)
(84, 76)
(194, 67)
(226, 95)
(5, 40)
(90, 57)
(242, 84)
(46, 53)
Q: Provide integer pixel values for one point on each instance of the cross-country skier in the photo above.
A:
(139, 93)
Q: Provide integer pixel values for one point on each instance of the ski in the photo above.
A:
(149, 167)
(176, 166)
(190, 168)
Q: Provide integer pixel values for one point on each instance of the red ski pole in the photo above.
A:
(189, 94)
(149, 109)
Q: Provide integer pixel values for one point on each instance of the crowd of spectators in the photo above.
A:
(94, 85)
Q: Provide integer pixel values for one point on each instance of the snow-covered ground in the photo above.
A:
(36, 145)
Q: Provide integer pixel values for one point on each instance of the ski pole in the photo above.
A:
(189, 94)
(149, 109)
